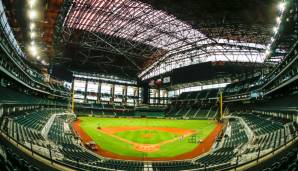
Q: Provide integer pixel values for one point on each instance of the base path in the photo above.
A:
(200, 149)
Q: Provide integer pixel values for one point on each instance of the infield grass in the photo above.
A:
(147, 136)
(90, 124)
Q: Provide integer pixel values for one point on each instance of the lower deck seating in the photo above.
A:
(73, 152)
(56, 132)
(11, 161)
(237, 135)
(36, 119)
(261, 125)
(288, 162)
(220, 156)
(24, 134)
(123, 165)
(270, 140)
(177, 165)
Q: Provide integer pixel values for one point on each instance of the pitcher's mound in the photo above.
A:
(149, 148)
(147, 135)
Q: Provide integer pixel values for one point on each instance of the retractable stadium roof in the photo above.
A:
(148, 37)
(143, 33)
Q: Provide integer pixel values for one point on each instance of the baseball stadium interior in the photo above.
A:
(148, 85)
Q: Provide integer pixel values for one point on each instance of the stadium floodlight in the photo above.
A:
(32, 34)
(281, 6)
(31, 3)
(278, 20)
(33, 50)
(32, 14)
(275, 29)
(43, 62)
(32, 26)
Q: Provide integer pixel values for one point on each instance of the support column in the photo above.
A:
(125, 94)
(145, 94)
(137, 94)
(158, 96)
(112, 93)
(85, 94)
(99, 92)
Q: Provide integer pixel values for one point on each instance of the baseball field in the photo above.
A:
(140, 138)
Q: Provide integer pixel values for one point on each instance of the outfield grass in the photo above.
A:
(90, 124)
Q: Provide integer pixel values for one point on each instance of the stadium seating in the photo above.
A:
(13, 63)
(73, 152)
(9, 96)
(224, 154)
(238, 135)
(177, 165)
(196, 105)
(218, 157)
(288, 162)
(56, 132)
(34, 120)
(284, 73)
(27, 128)
(269, 132)
(10, 160)
(244, 86)
(279, 104)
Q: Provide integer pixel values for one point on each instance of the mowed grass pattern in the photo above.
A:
(90, 124)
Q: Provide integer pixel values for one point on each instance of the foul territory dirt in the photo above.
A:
(203, 147)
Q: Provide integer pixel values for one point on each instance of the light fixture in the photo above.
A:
(275, 29)
(33, 50)
(32, 26)
(32, 34)
(278, 20)
(43, 62)
(31, 3)
(32, 14)
(281, 6)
